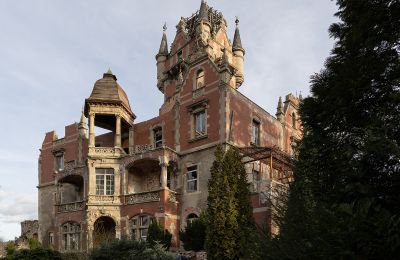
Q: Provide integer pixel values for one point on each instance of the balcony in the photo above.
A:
(103, 199)
(71, 207)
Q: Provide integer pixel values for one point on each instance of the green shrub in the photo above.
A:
(193, 237)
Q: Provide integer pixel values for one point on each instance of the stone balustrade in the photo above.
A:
(142, 197)
(104, 151)
(71, 206)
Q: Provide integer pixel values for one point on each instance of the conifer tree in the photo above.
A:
(345, 201)
(229, 216)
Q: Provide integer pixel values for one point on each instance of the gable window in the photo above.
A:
(200, 123)
(59, 161)
(255, 132)
(140, 226)
(191, 177)
(104, 181)
(157, 134)
(199, 79)
(71, 236)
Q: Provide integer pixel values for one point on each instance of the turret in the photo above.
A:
(279, 110)
(161, 58)
(203, 27)
(82, 126)
(238, 55)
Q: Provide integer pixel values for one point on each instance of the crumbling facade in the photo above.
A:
(97, 187)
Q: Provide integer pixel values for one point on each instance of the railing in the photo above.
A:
(142, 197)
(71, 206)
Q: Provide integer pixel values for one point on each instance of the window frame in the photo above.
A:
(158, 132)
(190, 170)
(71, 231)
(200, 78)
(201, 123)
(137, 227)
(59, 161)
(255, 132)
(105, 181)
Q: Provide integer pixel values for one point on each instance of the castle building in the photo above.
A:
(95, 187)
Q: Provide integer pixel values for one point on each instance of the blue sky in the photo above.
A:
(52, 52)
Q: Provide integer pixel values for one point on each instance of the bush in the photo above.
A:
(194, 235)
(34, 254)
(125, 249)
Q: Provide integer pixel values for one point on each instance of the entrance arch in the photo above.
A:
(103, 231)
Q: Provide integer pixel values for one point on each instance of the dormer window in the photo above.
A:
(157, 135)
(200, 79)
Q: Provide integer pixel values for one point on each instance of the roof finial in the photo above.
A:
(109, 71)
(165, 26)
(237, 21)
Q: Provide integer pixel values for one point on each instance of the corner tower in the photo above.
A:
(200, 37)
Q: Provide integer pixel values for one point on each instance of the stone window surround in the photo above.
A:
(104, 180)
(59, 153)
(193, 110)
(152, 137)
(197, 77)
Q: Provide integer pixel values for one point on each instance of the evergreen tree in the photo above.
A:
(157, 235)
(194, 234)
(229, 217)
(344, 201)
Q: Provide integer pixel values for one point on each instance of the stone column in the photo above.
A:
(131, 141)
(117, 142)
(163, 176)
(91, 130)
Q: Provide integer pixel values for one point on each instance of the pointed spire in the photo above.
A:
(279, 110)
(203, 13)
(163, 46)
(109, 71)
(237, 43)
(83, 118)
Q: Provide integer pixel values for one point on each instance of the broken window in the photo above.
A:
(71, 236)
(157, 133)
(140, 226)
(191, 179)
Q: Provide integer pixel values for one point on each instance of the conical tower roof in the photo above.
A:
(163, 45)
(107, 90)
(237, 42)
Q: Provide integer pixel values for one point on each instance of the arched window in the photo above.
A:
(200, 79)
(191, 218)
(139, 226)
(294, 120)
(71, 236)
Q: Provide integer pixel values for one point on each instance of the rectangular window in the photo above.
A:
(104, 181)
(143, 233)
(255, 133)
(51, 238)
(200, 123)
(256, 180)
(60, 162)
(157, 132)
(192, 178)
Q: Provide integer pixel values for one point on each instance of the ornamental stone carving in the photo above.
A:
(70, 207)
(142, 197)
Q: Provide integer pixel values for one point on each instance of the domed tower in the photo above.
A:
(108, 108)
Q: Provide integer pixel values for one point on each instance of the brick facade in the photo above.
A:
(95, 186)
